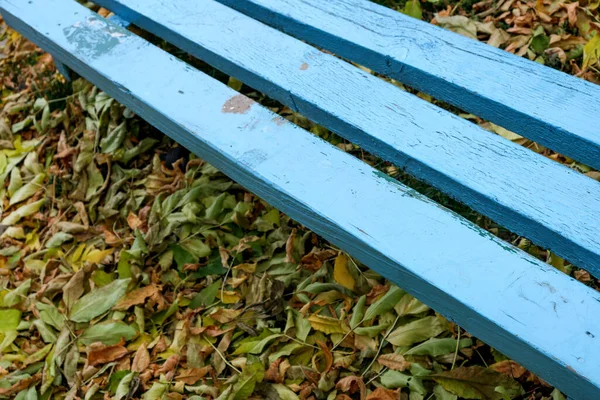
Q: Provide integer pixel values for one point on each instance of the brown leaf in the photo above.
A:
(133, 221)
(141, 360)
(327, 355)
(394, 361)
(352, 384)
(272, 374)
(289, 247)
(193, 375)
(169, 365)
(572, 12)
(21, 385)
(74, 288)
(136, 297)
(384, 394)
(509, 368)
(104, 354)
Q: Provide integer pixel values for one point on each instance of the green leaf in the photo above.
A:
(206, 296)
(255, 345)
(417, 331)
(395, 379)
(442, 394)
(413, 8)
(247, 381)
(28, 190)
(408, 305)
(50, 315)
(358, 312)
(98, 301)
(9, 320)
(284, 392)
(109, 333)
(214, 268)
(22, 212)
(477, 383)
(17, 295)
(58, 239)
(438, 347)
(114, 139)
(155, 392)
(385, 303)
(182, 256)
(124, 385)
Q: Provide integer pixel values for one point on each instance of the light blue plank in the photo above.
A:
(545, 105)
(530, 194)
(119, 21)
(521, 306)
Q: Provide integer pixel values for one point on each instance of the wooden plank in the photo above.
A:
(545, 105)
(523, 307)
(529, 194)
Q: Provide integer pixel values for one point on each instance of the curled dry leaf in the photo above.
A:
(352, 384)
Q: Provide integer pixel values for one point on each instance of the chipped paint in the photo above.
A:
(238, 104)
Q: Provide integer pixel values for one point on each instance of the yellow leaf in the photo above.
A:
(77, 253)
(591, 52)
(341, 274)
(96, 256)
(229, 297)
(327, 325)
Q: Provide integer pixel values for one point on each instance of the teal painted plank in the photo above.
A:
(523, 307)
(545, 105)
(552, 205)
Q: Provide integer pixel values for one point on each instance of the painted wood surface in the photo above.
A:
(545, 105)
(525, 308)
(552, 205)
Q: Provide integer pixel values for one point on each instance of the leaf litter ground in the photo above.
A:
(131, 269)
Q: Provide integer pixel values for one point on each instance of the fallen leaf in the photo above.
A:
(136, 297)
(477, 383)
(105, 354)
(352, 384)
(384, 394)
(341, 273)
(393, 361)
(192, 375)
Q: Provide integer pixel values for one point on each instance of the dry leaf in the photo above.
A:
(136, 297)
(99, 355)
(341, 273)
(384, 394)
(192, 375)
(352, 384)
(141, 360)
(394, 361)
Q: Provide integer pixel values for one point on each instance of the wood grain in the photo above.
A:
(525, 308)
(553, 206)
(545, 105)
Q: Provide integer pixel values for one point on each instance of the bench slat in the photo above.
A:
(545, 105)
(487, 172)
(525, 308)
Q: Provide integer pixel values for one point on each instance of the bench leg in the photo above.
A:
(64, 70)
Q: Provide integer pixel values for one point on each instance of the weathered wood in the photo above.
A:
(485, 171)
(523, 307)
(545, 105)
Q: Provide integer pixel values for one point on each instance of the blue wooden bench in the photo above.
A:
(527, 309)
